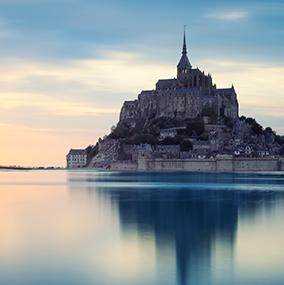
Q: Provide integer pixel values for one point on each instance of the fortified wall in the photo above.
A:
(209, 165)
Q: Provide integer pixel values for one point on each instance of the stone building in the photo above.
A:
(170, 132)
(191, 94)
(77, 158)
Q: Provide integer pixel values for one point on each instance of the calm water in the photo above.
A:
(105, 228)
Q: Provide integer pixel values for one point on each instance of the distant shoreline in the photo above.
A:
(30, 168)
(15, 168)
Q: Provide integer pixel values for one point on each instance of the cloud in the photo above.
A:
(47, 106)
(229, 15)
(116, 72)
(258, 85)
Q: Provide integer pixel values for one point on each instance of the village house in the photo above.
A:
(168, 133)
(77, 158)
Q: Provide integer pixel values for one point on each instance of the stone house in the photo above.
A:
(167, 151)
(168, 133)
(76, 158)
(248, 150)
(201, 145)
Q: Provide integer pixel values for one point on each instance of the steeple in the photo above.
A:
(184, 49)
(184, 66)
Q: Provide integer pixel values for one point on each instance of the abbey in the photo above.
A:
(190, 95)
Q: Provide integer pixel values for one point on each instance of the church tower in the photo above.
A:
(184, 66)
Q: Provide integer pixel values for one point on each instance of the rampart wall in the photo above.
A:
(211, 165)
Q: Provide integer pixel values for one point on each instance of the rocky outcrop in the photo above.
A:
(108, 153)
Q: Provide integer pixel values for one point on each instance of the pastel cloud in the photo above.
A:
(229, 15)
(47, 107)
(258, 85)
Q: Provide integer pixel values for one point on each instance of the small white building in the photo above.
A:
(263, 153)
(201, 145)
(248, 150)
(77, 158)
(237, 152)
(168, 133)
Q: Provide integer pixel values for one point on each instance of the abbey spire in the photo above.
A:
(184, 49)
(184, 66)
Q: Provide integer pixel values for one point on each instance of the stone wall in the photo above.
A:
(179, 103)
(224, 165)
(257, 164)
(211, 165)
(182, 164)
(123, 165)
(282, 163)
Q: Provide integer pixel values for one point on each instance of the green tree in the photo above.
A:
(279, 140)
(144, 139)
(255, 126)
(121, 131)
(186, 145)
(195, 126)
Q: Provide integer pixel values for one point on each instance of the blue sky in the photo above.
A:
(75, 29)
(68, 65)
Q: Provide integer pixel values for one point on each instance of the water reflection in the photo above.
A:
(194, 221)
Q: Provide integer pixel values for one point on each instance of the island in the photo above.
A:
(184, 123)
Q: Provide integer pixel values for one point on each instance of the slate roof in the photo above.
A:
(166, 83)
(225, 91)
(77, 152)
(184, 62)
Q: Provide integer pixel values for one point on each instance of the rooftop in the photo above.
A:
(77, 152)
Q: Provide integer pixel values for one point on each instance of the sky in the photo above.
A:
(67, 65)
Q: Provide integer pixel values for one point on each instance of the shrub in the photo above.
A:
(154, 130)
(92, 151)
(204, 136)
(195, 126)
(170, 141)
(279, 140)
(255, 126)
(144, 139)
(186, 145)
(121, 131)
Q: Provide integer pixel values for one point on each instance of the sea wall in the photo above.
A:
(181, 164)
(123, 165)
(260, 164)
(282, 163)
(211, 165)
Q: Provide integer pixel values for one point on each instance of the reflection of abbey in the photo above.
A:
(188, 96)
